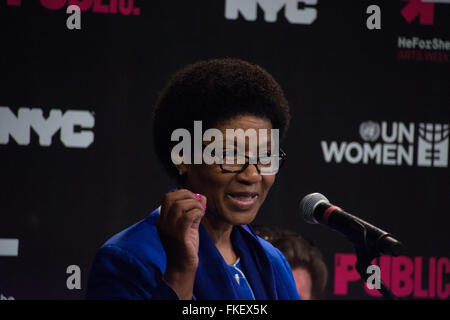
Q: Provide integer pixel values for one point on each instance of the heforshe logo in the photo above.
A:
(295, 11)
(74, 126)
(394, 144)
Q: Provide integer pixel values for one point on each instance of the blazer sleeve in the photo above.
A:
(117, 273)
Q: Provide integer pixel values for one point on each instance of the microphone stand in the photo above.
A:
(365, 253)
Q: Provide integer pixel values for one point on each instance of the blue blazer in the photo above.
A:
(131, 264)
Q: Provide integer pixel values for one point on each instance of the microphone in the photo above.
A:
(316, 209)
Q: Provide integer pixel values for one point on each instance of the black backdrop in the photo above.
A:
(62, 202)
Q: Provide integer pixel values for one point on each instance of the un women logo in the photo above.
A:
(369, 131)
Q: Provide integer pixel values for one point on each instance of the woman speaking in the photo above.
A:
(198, 244)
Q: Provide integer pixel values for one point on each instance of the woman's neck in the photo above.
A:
(220, 234)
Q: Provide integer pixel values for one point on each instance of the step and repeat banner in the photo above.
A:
(368, 84)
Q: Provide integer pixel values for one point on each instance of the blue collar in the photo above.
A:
(213, 281)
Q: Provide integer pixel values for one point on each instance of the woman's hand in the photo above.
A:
(181, 214)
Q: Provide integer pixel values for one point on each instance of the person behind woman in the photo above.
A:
(198, 244)
(306, 260)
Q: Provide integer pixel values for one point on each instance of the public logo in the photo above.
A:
(122, 7)
(411, 277)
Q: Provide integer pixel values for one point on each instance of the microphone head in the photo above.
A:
(308, 204)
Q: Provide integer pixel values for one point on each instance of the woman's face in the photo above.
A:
(233, 198)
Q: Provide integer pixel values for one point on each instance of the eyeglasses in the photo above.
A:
(266, 165)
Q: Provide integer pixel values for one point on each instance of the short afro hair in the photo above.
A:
(214, 91)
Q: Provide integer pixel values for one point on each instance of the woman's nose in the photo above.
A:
(250, 175)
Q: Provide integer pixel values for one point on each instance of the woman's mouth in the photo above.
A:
(242, 200)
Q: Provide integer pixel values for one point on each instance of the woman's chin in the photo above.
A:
(240, 217)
